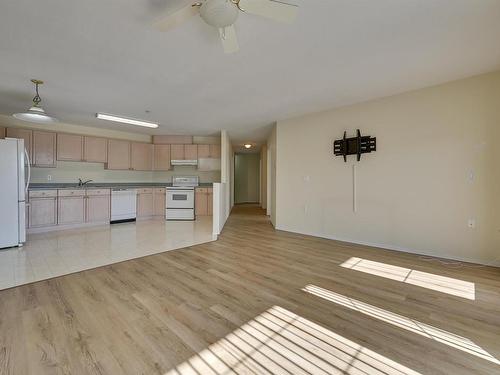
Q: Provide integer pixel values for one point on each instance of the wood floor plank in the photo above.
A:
(241, 305)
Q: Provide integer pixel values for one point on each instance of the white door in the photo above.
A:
(9, 197)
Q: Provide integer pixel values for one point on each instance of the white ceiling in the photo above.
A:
(104, 56)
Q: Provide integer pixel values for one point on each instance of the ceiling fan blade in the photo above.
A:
(229, 39)
(274, 10)
(172, 20)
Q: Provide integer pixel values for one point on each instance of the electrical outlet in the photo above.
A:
(49, 177)
(471, 223)
(472, 176)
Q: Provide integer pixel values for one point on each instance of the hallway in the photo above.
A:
(257, 301)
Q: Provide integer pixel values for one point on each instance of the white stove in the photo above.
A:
(180, 198)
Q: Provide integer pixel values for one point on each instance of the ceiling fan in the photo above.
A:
(222, 14)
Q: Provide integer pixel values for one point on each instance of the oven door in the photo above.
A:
(180, 198)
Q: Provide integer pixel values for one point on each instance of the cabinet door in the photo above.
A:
(210, 201)
(203, 151)
(2, 132)
(98, 209)
(118, 154)
(42, 212)
(177, 152)
(145, 203)
(71, 210)
(141, 156)
(95, 150)
(161, 160)
(200, 202)
(44, 149)
(215, 151)
(159, 202)
(69, 147)
(25, 134)
(191, 152)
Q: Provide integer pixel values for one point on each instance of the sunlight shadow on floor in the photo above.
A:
(449, 285)
(442, 336)
(279, 342)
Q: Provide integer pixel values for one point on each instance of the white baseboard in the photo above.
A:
(493, 263)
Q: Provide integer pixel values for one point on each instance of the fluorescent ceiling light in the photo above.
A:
(125, 120)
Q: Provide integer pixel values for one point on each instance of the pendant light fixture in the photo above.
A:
(36, 113)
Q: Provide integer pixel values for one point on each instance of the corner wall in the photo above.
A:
(436, 167)
(222, 202)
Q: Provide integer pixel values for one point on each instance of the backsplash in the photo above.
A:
(70, 172)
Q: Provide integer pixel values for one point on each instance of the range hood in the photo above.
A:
(184, 162)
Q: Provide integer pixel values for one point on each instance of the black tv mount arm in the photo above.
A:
(354, 146)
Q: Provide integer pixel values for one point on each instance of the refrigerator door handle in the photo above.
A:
(29, 171)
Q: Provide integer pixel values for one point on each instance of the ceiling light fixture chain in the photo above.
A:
(237, 3)
(37, 99)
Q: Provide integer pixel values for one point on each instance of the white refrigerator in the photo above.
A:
(13, 189)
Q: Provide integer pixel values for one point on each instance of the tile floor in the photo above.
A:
(52, 254)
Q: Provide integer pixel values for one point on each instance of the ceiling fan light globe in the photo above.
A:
(219, 13)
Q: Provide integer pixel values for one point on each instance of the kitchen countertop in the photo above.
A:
(110, 185)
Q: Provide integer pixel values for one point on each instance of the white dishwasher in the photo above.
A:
(123, 205)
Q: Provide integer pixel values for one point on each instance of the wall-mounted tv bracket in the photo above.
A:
(354, 146)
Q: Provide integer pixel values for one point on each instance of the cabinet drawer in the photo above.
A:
(42, 193)
(201, 190)
(159, 190)
(93, 192)
(145, 191)
(71, 193)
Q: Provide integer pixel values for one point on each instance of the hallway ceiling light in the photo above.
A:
(36, 113)
(248, 145)
(126, 120)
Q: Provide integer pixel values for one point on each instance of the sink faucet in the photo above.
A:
(83, 183)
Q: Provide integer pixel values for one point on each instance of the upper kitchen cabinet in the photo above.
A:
(172, 139)
(44, 149)
(25, 134)
(118, 154)
(69, 147)
(209, 151)
(191, 152)
(203, 151)
(177, 152)
(2, 132)
(142, 156)
(95, 149)
(215, 151)
(161, 160)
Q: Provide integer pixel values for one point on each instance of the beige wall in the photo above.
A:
(437, 166)
(246, 178)
(271, 197)
(263, 177)
(71, 171)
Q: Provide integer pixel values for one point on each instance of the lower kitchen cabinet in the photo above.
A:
(42, 212)
(54, 208)
(210, 201)
(144, 202)
(159, 202)
(203, 205)
(71, 207)
(98, 206)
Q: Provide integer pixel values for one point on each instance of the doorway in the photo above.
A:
(246, 178)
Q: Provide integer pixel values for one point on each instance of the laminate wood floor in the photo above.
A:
(257, 301)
